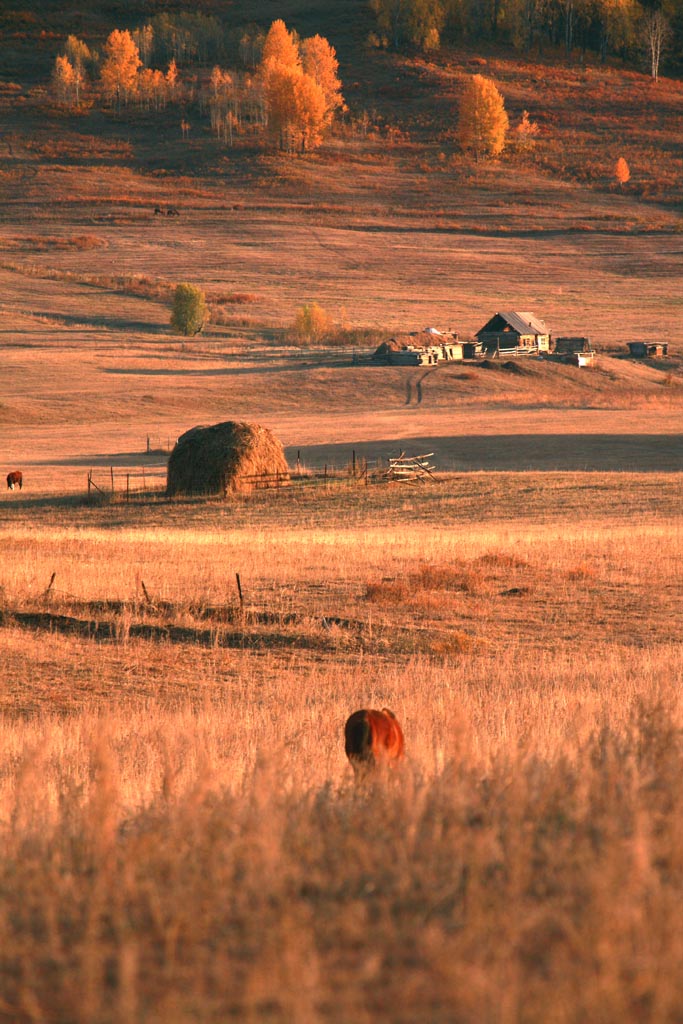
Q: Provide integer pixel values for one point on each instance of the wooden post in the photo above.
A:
(239, 591)
(148, 448)
(111, 470)
(49, 586)
(89, 482)
(127, 486)
(353, 461)
(298, 462)
(144, 482)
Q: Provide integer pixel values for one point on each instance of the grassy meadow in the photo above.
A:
(181, 837)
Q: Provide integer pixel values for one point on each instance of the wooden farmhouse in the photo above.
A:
(514, 333)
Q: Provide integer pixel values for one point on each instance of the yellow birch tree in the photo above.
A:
(482, 123)
(622, 171)
(63, 79)
(320, 62)
(280, 46)
(120, 68)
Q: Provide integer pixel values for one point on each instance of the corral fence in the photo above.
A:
(128, 483)
(125, 482)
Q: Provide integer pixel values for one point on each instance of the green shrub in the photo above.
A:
(189, 312)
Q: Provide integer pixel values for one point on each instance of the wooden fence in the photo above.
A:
(127, 483)
(411, 469)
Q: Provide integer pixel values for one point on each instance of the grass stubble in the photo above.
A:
(181, 836)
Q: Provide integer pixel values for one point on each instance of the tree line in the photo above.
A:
(291, 95)
(630, 29)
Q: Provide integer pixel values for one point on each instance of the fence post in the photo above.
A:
(239, 591)
(144, 481)
(111, 470)
(148, 448)
(353, 461)
(89, 482)
(127, 486)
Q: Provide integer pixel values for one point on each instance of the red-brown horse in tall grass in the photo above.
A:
(373, 739)
(14, 479)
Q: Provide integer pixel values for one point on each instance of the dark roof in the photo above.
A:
(522, 323)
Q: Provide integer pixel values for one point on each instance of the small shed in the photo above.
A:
(226, 458)
(407, 350)
(569, 346)
(577, 351)
(645, 349)
(471, 349)
(511, 333)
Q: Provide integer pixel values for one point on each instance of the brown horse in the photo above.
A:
(373, 739)
(15, 479)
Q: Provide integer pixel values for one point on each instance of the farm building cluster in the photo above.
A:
(504, 335)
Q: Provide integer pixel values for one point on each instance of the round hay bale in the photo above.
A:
(227, 458)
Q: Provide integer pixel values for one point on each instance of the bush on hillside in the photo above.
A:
(312, 323)
(189, 312)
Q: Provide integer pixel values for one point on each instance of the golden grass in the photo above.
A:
(181, 839)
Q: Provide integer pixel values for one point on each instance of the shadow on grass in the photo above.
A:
(637, 453)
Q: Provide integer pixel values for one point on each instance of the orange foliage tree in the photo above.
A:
(280, 46)
(622, 171)
(320, 62)
(63, 81)
(119, 71)
(300, 96)
(483, 122)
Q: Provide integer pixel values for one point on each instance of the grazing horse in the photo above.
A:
(158, 212)
(373, 739)
(14, 479)
(173, 211)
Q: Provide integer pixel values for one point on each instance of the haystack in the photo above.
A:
(225, 459)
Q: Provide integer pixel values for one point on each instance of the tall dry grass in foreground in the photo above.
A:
(218, 864)
(185, 843)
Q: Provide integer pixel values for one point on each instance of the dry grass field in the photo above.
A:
(181, 836)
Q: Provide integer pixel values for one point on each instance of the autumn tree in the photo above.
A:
(622, 171)
(78, 53)
(280, 47)
(655, 33)
(63, 81)
(311, 114)
(151, 89)
(482, 122)
(120, 68)
(312, 323)
(525, 134)
(320, 62)
(189, 313)
(298, 106)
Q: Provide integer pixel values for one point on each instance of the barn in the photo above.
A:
(514, 333)
(226, 458)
